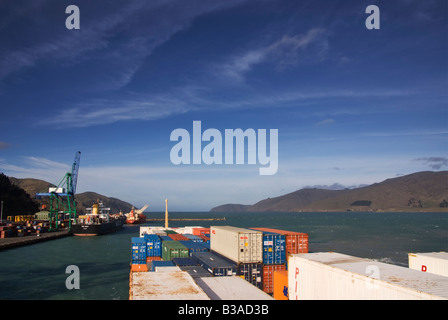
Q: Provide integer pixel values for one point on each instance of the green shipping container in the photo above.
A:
(173, 249)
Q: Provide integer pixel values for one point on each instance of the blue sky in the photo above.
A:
(352, 106)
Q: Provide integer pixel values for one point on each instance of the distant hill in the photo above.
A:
(15, 199)
(421, 191)
(83, 200)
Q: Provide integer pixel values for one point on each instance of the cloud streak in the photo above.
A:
(284, 52)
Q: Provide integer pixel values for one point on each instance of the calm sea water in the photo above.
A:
(38, 271)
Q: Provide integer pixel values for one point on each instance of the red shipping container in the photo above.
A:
(201, 231)
(296, 242)
(268, 276)
(148, 259)
(178, 237)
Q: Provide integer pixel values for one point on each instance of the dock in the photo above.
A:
(188, 219)
(14, 242)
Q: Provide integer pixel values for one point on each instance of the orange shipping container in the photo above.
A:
(296, 242)
(268, 276)
(201, 231)
(139, 267)
(178, 237)
(281, 285)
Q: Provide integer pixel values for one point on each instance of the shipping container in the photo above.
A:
(173, 249)
(177, 285)
(184, 262)
(139, 267)
(155, 264)
(153, 245)
(268, 276)
(167, 269)
(274, 248)
(432, 262)
(238, 244)
(188, 229)
(196, 246)
(215, 264)
(280, 285)
(165, 238)
(149, 259)
(196, 271)
(331, 275)
(193, 238)
(252, 273)
(178, 237)
(231, 288)
(170, 231)
(204, 238)
(201, 231)
(296, 242)
(138, 249)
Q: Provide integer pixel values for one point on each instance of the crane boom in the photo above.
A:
(74, 174)
(143, 208)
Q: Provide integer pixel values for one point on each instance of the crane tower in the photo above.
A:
(62, 197)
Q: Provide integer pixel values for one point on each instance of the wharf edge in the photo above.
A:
(14, 242)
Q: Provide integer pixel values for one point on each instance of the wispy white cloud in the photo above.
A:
(324, 122)
(105, 111)
(119, 35)
(284, 52)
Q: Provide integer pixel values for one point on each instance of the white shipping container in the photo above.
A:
(178, 285)
(237, 244)
(331, 275)
(151, 230)
(432, 262)
(231, 288)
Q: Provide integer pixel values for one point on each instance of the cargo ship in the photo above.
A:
(97, 221)
(136, 216)
(264, 264)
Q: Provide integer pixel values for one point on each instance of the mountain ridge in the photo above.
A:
(420, 191)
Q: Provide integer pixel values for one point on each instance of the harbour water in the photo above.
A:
(38, 271)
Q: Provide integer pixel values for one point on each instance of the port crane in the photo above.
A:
(62, 197)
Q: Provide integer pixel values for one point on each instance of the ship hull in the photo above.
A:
(141, 219)
(97, 229)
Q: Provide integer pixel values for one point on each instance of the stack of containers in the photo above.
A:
(243, 247)
(295, 242)
(153, 247)
(274, 258)
(138, 254)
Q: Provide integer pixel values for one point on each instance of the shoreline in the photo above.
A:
(14, 242)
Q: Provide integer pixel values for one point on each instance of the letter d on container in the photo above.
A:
(72, 281)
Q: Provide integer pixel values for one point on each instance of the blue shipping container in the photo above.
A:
(193, 237)
(155, 264)
(153, 245)
(274, 248)
(165, 238)
(215, 264)
(138, 249)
